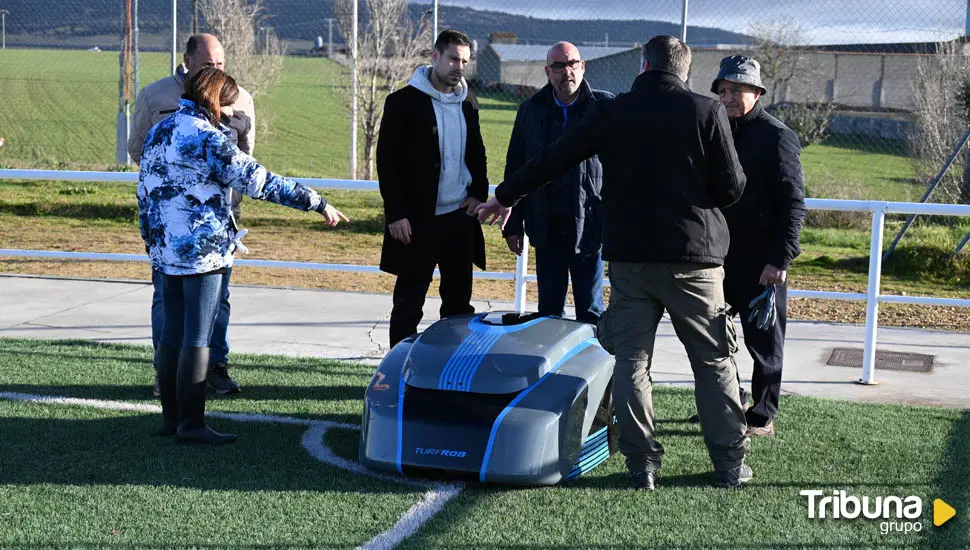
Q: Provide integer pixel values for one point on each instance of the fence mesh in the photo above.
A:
(874, 88)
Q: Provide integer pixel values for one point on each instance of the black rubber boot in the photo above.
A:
(193, 365)
(166, 372)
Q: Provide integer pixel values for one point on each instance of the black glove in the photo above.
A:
(763, 313)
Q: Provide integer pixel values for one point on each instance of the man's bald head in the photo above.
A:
(565, 69)
(201, 51)
(560, 49)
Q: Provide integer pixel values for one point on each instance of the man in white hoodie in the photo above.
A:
(431, 167)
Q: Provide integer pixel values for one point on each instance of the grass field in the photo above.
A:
(77, 476)
(66, 106)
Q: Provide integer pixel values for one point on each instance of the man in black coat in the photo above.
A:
(765, 225)
(563, 222)
(669, 165)
(431, 167)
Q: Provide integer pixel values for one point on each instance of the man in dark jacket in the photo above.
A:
(669, 165)
(563, 223)
(765, 225)
(431, 167)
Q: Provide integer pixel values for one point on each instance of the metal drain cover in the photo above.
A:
(885, 360)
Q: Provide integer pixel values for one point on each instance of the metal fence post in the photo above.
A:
(872, 292)
(521, 270)
(175, 35)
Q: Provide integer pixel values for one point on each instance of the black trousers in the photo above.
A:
(447, 243)
(767, 347)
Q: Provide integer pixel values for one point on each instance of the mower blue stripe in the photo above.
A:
(590, 451)
(400, 415)
(464, 354)
(466, 359)
(601, 458)
(594, 439)
(483, 343)
(585, 462)
(592, 460)
(457, 357)
(471, 355)
(465, 379)
(498, 421)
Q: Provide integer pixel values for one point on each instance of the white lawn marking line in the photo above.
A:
(430, 504)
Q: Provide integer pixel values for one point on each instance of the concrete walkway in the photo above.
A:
(353, 326)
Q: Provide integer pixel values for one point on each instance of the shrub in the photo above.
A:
(810, 121)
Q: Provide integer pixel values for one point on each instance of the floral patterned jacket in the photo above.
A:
(188, 168)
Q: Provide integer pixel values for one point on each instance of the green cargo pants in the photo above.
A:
(693, 294)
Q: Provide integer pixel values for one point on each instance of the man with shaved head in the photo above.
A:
(158, 101)
(563, 221)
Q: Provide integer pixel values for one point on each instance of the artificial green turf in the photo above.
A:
(79, 476)
(74, 476)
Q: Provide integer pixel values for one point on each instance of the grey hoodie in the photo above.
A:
(454, 177)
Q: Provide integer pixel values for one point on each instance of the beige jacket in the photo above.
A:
(160, 99)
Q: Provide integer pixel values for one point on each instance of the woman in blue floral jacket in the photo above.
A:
(189, 167)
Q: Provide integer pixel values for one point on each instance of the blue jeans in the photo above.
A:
(219, 343)
(190, 305)
(553, 268)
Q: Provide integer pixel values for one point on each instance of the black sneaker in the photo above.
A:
(643, 481)
(156, 390)
(735, 478)
(220, 381)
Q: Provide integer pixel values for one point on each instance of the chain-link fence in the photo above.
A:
(875, 88)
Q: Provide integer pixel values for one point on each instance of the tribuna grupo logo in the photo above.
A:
(898, 514)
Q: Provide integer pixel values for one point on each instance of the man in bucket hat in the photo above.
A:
(764, 225)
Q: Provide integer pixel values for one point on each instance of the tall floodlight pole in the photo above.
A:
(683, 24)
(175, 38)
(434, 21)
(124, 112)
(353, 91)
(134, 46)
(3, 17)
(967, 29)
(195, 17)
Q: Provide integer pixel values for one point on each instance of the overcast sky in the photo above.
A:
(824, 21)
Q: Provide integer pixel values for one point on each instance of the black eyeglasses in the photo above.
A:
(559, 66)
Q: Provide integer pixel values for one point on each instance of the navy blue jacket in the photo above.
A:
(538, 123)
(766, 221)
(669, 166)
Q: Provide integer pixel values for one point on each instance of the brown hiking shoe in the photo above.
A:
(753, 431)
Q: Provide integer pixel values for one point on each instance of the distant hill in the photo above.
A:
(77, 22)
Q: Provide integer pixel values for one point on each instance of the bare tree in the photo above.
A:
(254, 54)
(940, 117)
(390, 46)
(776, 49)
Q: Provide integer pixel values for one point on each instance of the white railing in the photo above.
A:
(872, 297)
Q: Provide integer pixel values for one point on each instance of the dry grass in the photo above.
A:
(56, 217)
